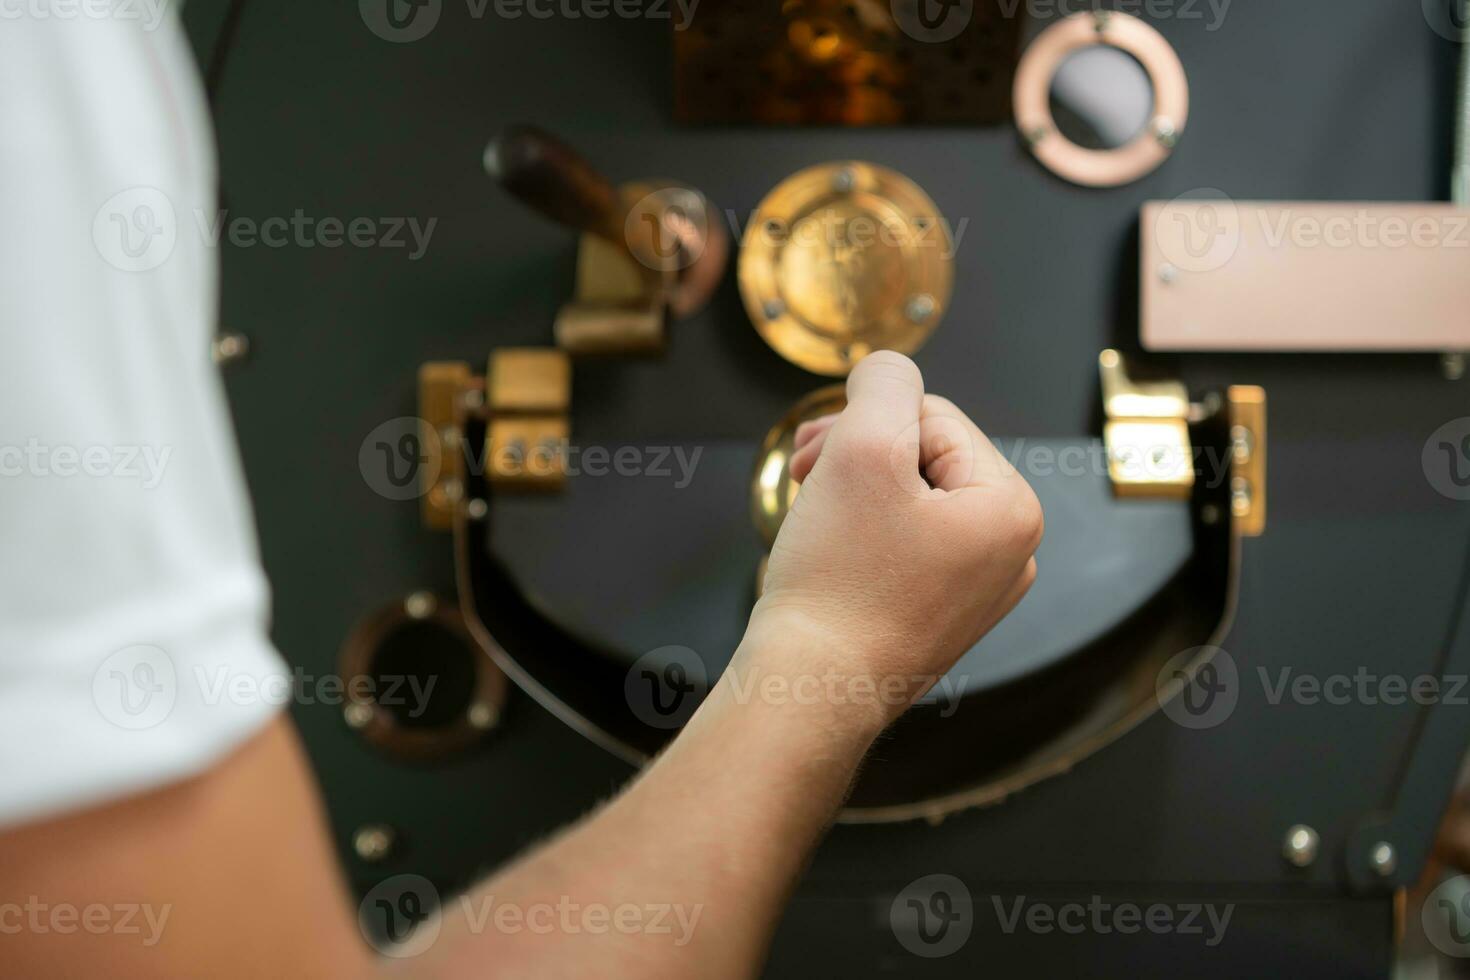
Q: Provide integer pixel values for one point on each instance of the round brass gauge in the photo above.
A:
(1101, 98)
(771, 488)
(843, 259)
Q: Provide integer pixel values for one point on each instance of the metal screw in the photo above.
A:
(482, 716)
(773, 309)
(919, 307)
(1165, 133)
(1301, 845)
(477, 509)
(373, 841)
(1452, 364)
(474, 399)
(357, 715)
(228, 347)
(843, 180)
(452, 488)
(1168, 272)
(420, 605)
(1384, 859)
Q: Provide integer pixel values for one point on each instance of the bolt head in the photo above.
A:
(357, 715)
(483, 716)
(1301, 845)
(229, 347)
(420, 605)
(477, 509)
(919, 307)
(843, 180)
(773, 309)
(1168, 272)
(373, 842)
(1383, 858)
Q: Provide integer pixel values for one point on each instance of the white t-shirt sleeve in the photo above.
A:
(133, 611)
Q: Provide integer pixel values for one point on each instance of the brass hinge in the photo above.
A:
(1146, 431)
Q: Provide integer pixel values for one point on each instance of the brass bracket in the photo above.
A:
(619, 305)
(1148, 444)
(525, 397)
(443, 387)
(1248, 458)
(528, 393)
(1146, 431)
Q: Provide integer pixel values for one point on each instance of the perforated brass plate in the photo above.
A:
(843, 259)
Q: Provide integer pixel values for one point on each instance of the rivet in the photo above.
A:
(420, 605)
(1301, 845)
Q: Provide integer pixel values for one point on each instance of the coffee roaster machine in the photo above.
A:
(540, 459)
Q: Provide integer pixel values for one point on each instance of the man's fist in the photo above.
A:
(910, 539)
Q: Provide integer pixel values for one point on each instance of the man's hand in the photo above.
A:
(910, 539)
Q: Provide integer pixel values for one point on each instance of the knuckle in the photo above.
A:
(1025, 522)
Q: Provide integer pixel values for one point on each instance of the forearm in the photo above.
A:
(708, 842)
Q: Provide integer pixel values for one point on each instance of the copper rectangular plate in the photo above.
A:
(1304, 276)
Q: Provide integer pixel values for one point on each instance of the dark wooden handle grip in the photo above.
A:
(551, 177)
